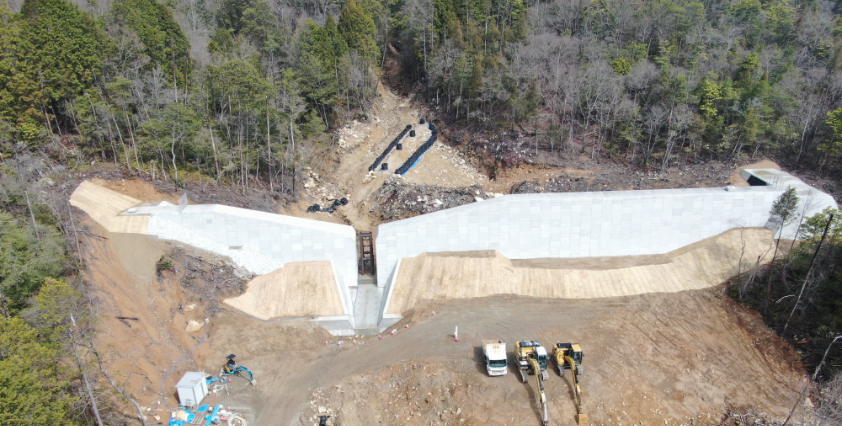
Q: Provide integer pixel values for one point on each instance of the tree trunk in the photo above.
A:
(34, 224)
(122, 142)
(87, 384)
(140, 415)
(134, 143)
(809, 269)
(269, 147)
(771, 264)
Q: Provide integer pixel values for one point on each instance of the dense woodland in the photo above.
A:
(152, 87)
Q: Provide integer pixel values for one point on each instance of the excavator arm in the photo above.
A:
(582, 417)
(541, 396)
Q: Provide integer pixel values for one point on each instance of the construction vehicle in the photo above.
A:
(561, 350)
(496, 361)
(569, 356)
(232, 369)
(526, 350)
(532, 358)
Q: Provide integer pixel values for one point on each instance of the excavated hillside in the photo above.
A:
(689, 357)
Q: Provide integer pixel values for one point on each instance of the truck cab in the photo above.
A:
(496, 360)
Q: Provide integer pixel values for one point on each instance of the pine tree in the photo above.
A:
(57, 56)
(164, 42)
(32, 391)
(357, 28)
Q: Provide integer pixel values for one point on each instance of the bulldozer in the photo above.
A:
(568, 356)
(532, 358)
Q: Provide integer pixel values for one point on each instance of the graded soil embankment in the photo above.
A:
(479, 274)
(137, 188)
(104, 205)
(296, 290)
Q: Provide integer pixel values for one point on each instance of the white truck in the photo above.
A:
(496, 361)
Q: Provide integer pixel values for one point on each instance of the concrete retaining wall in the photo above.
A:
(585, 224)
(259, 241)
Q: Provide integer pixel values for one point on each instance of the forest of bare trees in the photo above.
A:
(649, 82)
(249, 90)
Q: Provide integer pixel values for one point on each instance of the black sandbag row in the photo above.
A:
(336, 203)
(419, 152)
(386, 152)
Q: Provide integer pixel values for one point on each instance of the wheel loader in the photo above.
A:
(568, 356)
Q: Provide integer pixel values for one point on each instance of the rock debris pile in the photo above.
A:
(398, 199)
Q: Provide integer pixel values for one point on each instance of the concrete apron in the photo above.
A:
(367, 307)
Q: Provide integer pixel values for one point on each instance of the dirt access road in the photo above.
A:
(344, 174)
(684, 358)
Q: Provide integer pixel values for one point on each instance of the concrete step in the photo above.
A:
(367, 306)
(367, 279)
(366, 330)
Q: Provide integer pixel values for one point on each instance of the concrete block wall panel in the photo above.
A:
(617, 223)
(259, 241)
(255, 262)
(811, 200)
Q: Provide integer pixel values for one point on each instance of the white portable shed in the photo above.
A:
(192, 388)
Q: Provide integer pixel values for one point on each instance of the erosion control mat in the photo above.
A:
(104, 205)
(480, 274)
(296, 290)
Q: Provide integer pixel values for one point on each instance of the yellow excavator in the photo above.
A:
(532, 358)
(569, 356)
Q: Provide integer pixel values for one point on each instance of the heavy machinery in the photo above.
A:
(561, 350)
(569, 356)
(532, 358)
(232, 369)
(531, 349)
(496, 362)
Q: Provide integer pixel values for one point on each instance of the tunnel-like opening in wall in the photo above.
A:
(756, 181)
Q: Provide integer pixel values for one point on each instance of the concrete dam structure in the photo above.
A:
(305, 268)
(588, 224)
(558, 245)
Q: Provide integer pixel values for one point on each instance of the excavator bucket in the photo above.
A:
(583, 419)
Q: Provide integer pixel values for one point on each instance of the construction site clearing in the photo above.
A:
(623, 293)
(656, 353)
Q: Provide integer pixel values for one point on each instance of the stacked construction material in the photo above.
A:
(332, 208)
(382, 156)
(410, 163)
